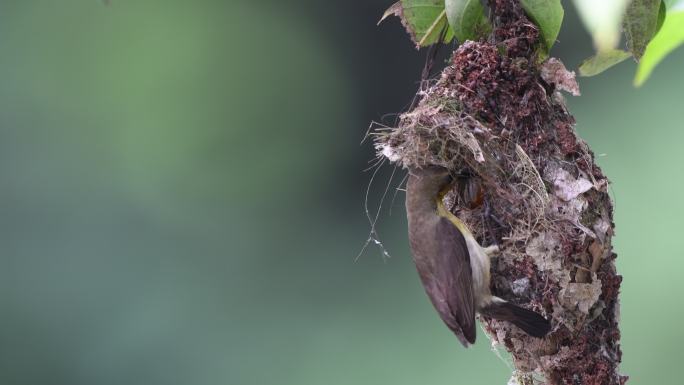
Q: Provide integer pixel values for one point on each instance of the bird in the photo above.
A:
(453, 267)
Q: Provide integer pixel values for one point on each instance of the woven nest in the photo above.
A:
(544, 203)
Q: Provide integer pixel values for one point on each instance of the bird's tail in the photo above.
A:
(530, 322)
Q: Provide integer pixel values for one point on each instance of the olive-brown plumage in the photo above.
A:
(453, 267)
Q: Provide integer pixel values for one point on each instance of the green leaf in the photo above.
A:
(548, 15)
(424, 20)
(673, 3)
(602, 18)
(640, 24)
(467, 19)
(662, 11)
(435, 30)
(602, 61)
(670, 36)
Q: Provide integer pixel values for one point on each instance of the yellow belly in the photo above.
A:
(479, 260)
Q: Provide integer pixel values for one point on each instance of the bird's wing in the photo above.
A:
(454, 280)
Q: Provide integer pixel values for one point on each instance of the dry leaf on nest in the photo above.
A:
(566, 186)
(553, 71)
(581, 295)
(542, 249)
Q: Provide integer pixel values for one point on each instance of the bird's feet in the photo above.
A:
(492, 251)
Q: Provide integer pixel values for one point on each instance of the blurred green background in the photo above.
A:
(182, 195)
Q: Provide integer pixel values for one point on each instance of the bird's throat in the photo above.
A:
(442, 211)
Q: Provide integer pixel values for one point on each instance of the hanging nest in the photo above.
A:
(495, 117)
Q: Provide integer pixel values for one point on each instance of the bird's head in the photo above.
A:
(430, 181)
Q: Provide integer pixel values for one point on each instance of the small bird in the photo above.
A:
(453, 267)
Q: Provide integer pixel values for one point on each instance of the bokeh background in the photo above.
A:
(182, 191)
